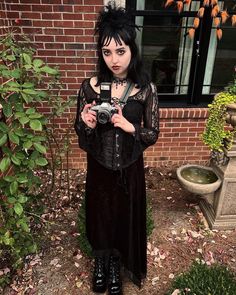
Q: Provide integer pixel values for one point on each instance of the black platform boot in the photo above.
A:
(99, 275)
(114, 279)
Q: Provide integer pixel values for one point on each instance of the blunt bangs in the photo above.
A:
(118, 36)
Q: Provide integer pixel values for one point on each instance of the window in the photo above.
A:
(187, 72)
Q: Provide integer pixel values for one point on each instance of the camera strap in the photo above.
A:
(126, 93)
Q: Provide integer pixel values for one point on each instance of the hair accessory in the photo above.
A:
(114, 22)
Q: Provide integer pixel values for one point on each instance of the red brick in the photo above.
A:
(83, 9)
(69, 80)
(44, 38)
(46, 52)
(65, 39)
(56, 60)
(74, 46)
(90, 16)
(42, 23)
(64, 24)
(51, 16)
(89, 53)
(54, 45)
(65, 53)
(89, 32)
(91, 60)
(30, 1)
(74, 16)
(84, 39)
(12, 14)
(74, 74)
(68, 67)
(62, 8)
(51, 2)
(31, 15)
(72, 60)
(53, 31)
(98, 8)
(21, 7)
(73, 31)
(83, 24)
(45, 8)
(72, 2)
(90, 46)
(33, 31)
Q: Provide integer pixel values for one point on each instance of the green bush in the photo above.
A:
(216, 131)
(83, 242)
(204, 280)
(23, 144)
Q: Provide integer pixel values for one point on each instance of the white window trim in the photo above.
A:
(118, 2)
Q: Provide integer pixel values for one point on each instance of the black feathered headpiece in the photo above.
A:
(115, 22)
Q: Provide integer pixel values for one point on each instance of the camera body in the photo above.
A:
(104, 110)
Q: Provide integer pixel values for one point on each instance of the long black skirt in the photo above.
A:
(116, 214)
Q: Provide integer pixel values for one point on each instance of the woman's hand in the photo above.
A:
(119, 121)
(88, 116)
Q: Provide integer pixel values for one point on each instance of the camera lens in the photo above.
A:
(103, 117)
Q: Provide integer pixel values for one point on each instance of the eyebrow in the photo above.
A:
(120, 48)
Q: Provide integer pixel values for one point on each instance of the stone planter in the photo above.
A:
(231, 114)
(222, 213)
(200, 180)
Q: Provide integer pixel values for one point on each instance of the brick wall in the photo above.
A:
(62, 31)
(4, 23)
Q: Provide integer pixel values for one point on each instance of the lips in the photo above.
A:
(115, 68)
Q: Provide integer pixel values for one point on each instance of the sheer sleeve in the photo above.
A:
(84, 132)
(148, 133)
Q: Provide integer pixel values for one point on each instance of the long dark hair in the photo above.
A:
(115, 22)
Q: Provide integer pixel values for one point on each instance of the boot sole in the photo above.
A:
(99, 289)
(115, 293)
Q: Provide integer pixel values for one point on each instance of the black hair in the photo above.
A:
(115, 22)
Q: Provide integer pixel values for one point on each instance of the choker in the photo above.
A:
(119, 81)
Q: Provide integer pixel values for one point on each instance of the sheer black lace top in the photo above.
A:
(111, 146)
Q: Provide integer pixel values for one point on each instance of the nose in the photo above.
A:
(114, 58)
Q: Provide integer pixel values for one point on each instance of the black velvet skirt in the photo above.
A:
(116, 214)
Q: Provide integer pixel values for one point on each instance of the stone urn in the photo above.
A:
(199, 180)
(231, 114)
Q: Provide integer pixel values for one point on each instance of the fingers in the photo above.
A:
(119, 109)
(118, 116)
(89, 116)
(86, 108)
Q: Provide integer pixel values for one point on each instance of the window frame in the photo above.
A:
(194, 96)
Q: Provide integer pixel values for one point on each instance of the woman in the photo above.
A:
(115, 184)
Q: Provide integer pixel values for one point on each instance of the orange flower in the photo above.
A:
(187, 1)
(196, 22)
(224, 16)
(214, 2)
(206, 2)
(219, 33)
(233, 19)
(201, 12)
(180, 6)
(215, 10)
(216, 21)
(191, 32)
(169, 2)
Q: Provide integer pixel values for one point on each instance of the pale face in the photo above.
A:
(117, 58)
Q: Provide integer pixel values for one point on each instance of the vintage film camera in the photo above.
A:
(104, 110)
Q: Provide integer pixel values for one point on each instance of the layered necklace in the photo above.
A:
(119, 81)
